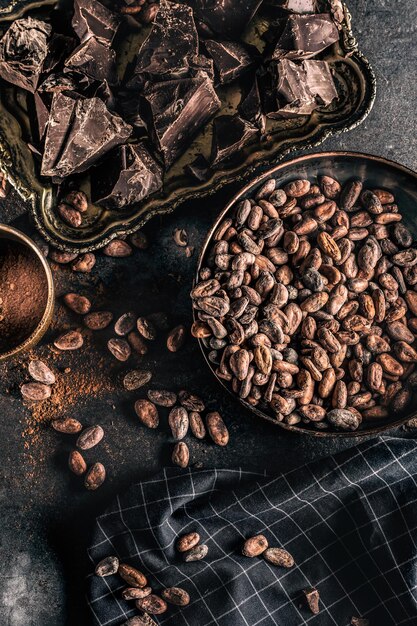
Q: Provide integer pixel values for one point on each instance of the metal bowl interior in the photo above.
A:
(12, 234)
(378, 173)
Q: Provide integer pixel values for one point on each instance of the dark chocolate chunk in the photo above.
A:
(80, 131)
(225, 17)
(23, 50)
(59, 48)
(305, 36)
(230, 134)
(42, 115)
(203, 63)
(171, 45)
(94, 59)
(302, 87)
(231, 59)
(58, 82)
(127, 176)
(250, 107)
(199, 168)
(93, 19)
(296, 6)
(175, 110)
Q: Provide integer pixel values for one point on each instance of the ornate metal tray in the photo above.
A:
(356, 88)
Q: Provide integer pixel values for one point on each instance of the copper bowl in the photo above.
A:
(12, 234)
(378, 172)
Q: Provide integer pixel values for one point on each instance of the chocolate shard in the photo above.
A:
(58, 82)
(199, 168)
(305, 36)
(230, 134)
(59, 48)
(250, 107)
(94, 59)
(203, 63)
(42, 115)
(23, 50)
(231, 59)
(225, 18)
(175, 110)
(302, 87)
(93, 19)
(296, 6)
(171, 45)
(128, 175)
(80, 131)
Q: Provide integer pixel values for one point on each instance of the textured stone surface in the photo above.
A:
(43, 505)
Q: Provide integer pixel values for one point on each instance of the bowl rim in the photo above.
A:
(369, 431)
(10, 232)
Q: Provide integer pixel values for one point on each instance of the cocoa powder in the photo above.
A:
(23, 294)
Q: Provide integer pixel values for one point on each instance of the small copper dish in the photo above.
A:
(379, 173)
(41, 325)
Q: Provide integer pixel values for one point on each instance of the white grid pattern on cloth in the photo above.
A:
(348, 520)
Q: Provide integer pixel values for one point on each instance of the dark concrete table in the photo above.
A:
(46, 515)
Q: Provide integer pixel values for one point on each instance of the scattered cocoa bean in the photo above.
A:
(76, 463)
(35, 392)
(67, 425)
(98, 320)
(187, 542)
(90, 437)
(254, 546)
(40, 372)
(176, 595)
(95, 477)
(119, 348)
(279, 557)
(132, 576)
(72, 340)
(196, 554)
(136, 379)
(181, 454)
(107, 567)
(147, 413)
(78, 304)
(176, 338)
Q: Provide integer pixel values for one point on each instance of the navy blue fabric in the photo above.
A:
(350, 522)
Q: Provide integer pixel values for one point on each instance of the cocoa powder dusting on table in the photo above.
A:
(76, 385)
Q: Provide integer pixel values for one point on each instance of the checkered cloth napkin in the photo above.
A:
(350, 522)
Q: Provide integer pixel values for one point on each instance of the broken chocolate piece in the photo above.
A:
(203, 63)
(80, 131)
(58, 82)
(296, 6)
(42, 115)
(175, 110)
(302, 87)
(23, 50)
(171, 45)
(93, 19)
(59, 48)
(199, 168)
(125, 177)
(250, 107)
(94, 59)
(225, 17)
(231, 59)
(305, 36)
(230, 134)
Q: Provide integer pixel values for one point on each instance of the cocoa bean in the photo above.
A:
(107, 567)
(90, 437)
(278, 557)
(132, 576)
(147, 413)
(217, 429)
(40, 372)
(76, 463)
(95, 477)
(98, 320)
(254, 546)
(78, 304)
(72, 340)
(187, 542)
(119, 348)
(67, 425)
(181, 454)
